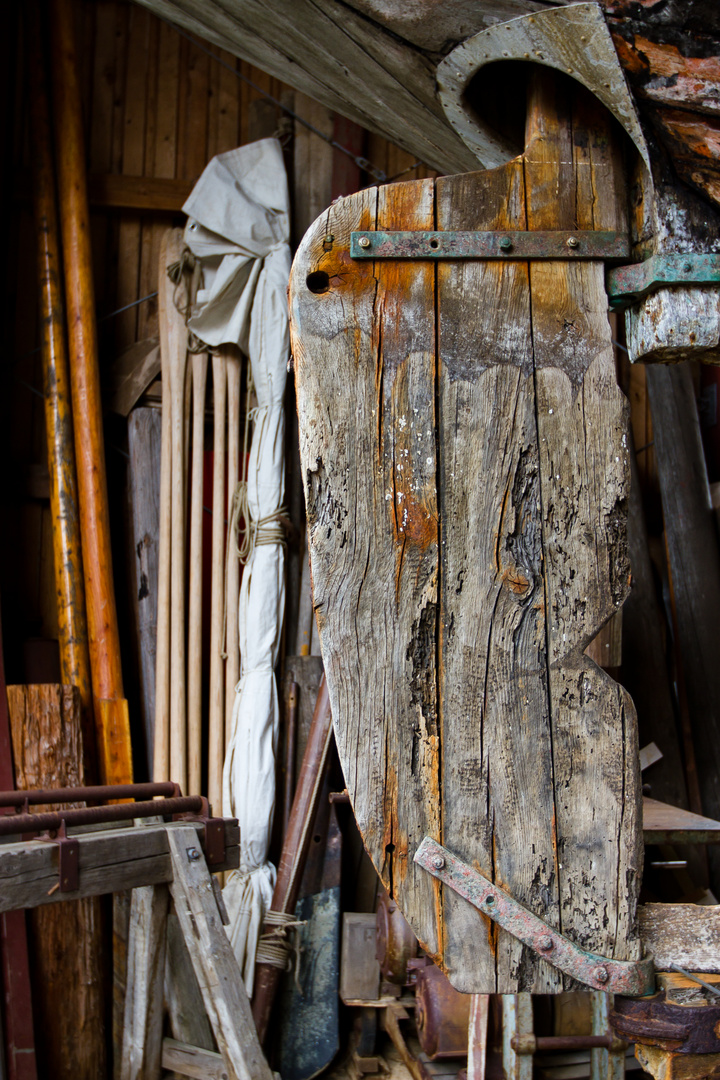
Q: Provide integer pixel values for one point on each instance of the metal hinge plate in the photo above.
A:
(626, 285)
(549, 244)
(631, 978)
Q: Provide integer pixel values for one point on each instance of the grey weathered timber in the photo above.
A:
(142, 1030)
(144, 430)
(186, 1011)
(465, 458)
(573, 39)
(340, 58)
(684, 934)
(573, 176)
(189, 1060)
(216, 968)
(110, 860)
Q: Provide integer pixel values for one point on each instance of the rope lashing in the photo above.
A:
(279, 944)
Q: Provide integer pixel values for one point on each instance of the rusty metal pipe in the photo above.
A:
(536, 1044)
(291, 716)
(38, 797)
(295, 846)
(100, 815)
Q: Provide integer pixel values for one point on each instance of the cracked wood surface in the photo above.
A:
(453, 622)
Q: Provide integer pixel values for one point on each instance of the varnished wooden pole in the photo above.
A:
(111, 717)
(161, 734)
(232, 584)
(194, 702)
(216, 742)
(69, 583)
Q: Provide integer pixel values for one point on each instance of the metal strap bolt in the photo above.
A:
(572, 241)
(438, 862)
(193, 854)
(601, 975)
(506, 244)
(364, 242)
(545, 944)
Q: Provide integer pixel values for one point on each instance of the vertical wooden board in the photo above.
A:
(192, 156)
(67, 949)
(133, 164)
(495, 726)
(584, 482)
(227, 103)
(144, 480)
(369, 474)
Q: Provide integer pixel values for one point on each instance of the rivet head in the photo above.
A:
(505, 243)
(601, 974)
(193, 854)
(364, 242)
(545, 944)
(687, 267)
(438, 862)
(572, 241)
(329, 238)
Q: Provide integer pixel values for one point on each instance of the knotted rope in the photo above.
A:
(276, 947)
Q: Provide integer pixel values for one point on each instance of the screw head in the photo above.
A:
(545, 944)
(572, 241)
(193, 854)
(505, 243)
(438, 862)
(364, 242)
(601, 974)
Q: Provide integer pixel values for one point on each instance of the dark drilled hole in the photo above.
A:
(318, 281)
(433, 243)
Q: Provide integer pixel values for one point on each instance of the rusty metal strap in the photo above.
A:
(627, 285)
(548, 244)
(633, 978)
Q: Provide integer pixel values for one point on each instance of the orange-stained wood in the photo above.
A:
(69, 584)
(104, 642)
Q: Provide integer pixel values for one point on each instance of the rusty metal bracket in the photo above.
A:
(632, 978)
(626, 285)
(547, 244)
(68, 860)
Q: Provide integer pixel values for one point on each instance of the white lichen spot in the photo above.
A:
(428, 461)
(550, 412)
(402, 422)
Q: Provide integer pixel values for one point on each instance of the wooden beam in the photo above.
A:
(110, 860)
(142, 1030)
(682, 934)
(663, 824)
(217, 970)
(152, 193)
(192, 1061)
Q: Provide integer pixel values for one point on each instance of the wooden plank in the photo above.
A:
(492, 623)
(214, 962)
(682, 934)
(67, 946)
(663, 824)
(142, 1034)
(372, 523)
(573, 180)
(359, 968)
(144, 439)
(132, 373)
(188, 1060)
(694, 563)
(110, 861)
(186, 1012)
(391, 90)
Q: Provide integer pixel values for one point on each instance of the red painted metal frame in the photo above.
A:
(630, 978)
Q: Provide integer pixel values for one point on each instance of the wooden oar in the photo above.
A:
(194, 702)
(67, 551)
(216, 740)
(173, 345)
(110, 706)
(161, 739)
(232, 584)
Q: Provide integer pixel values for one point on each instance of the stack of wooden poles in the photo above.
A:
(85, 720)
(179, 701)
